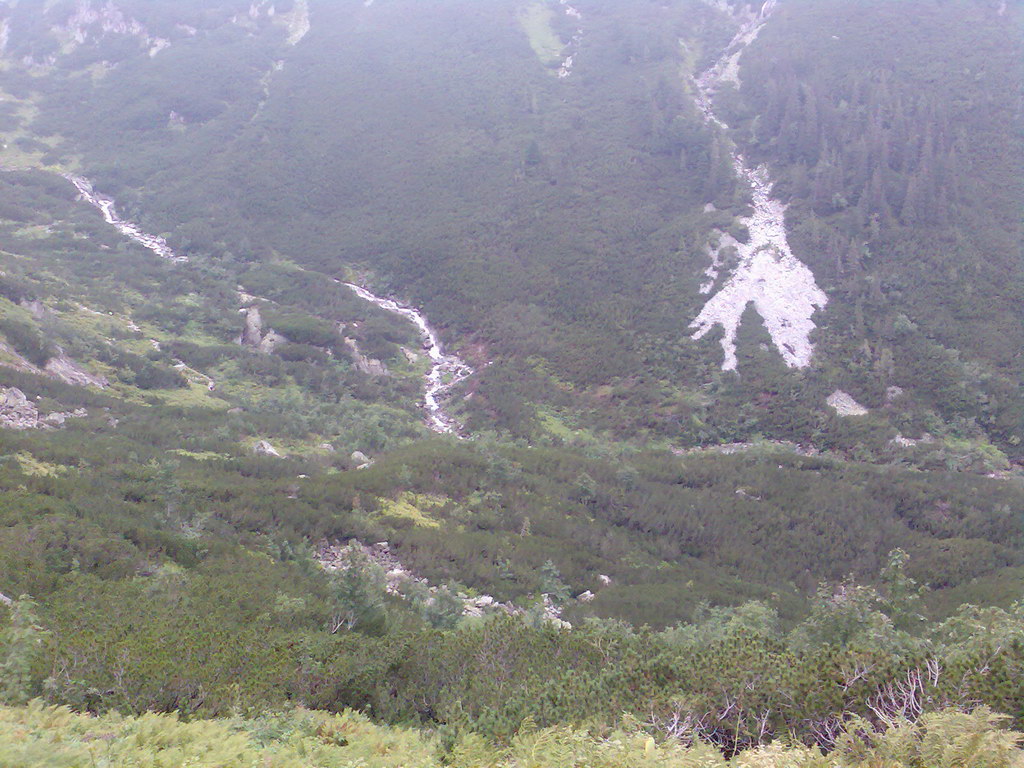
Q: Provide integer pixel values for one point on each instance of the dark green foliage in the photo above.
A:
(26, 339)
(899, 151)
(556, 228)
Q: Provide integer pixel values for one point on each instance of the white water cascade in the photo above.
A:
(446, 370)
(780, 286)
(155, 243)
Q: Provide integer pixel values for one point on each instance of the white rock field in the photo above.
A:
(781, 288)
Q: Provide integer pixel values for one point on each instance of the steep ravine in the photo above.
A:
(781, 287)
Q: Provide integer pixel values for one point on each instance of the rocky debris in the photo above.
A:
(333, 557)
(565, 69)
(844, 404)
(780, 286)
(606, 581)
(585, 597)
(5, 599)
(263, 448)
(728, 449)
(410, 356)
(70, 372)
(909, 442)
(360, 460)
(715, 251)
(478, 606)
(18, 412)
(297, 22)
(364, 364)
(326, 447)
(193, 376)
(401, 582)
(107, 17)
(552, 614)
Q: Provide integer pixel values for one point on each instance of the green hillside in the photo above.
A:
(227, 524)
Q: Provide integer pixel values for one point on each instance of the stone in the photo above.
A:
(271, 341)
(16, 411)
(364, 364)
(70, 372)
(263, 448)
(845, 405)
(252, 332)
(35, 307)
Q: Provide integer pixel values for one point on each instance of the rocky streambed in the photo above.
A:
(446, 370)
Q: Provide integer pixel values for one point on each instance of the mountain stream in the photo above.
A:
(446, 370)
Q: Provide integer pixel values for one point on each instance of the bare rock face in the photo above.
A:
(253, 336)
(364, 364)
(271, 341)
(252, 333)
(263, 448)
(70, 372)
(845, 405)
(360, 460)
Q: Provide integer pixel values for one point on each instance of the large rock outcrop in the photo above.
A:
(70, 372)
(18, 412)
(252, 332)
